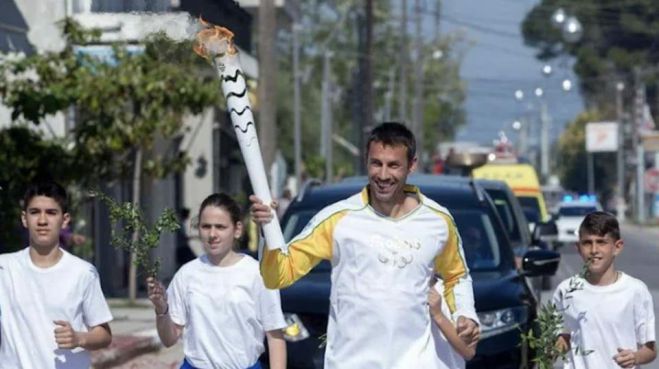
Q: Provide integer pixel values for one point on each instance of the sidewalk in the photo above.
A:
(133, 334)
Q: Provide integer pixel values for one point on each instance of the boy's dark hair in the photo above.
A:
(393, 134)
(600, 223)
(48, 189)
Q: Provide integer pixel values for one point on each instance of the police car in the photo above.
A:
(570, 213)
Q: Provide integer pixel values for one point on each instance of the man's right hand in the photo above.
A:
(261, 213)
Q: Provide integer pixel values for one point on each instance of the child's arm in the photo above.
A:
(629, 359)
(96, 338)
(276, 349)
(447, 328)
(168, 331)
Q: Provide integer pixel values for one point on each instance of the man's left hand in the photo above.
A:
(468, 331)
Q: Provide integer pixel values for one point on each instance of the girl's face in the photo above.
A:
(217, 231)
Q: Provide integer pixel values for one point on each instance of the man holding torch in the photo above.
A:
(385, 244)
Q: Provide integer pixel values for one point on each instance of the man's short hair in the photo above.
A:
(600, 223)
(48, 189)
(393, 134)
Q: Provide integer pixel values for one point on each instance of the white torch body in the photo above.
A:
(242, 119)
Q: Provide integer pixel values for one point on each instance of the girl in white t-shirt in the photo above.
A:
(218, 302)
(451, 349)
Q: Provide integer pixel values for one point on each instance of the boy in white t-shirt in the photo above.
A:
(608, 316)
(52, 309)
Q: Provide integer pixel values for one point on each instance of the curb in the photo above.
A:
(126, 347)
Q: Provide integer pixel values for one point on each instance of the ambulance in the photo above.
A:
(523, 181)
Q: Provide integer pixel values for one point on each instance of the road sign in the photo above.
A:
(602, 137)
(651, 179)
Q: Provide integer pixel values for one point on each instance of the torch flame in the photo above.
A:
(213, 41)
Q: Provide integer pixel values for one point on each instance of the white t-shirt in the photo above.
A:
(448, 357)
(601, 319)
(225, 311)
(31, 298)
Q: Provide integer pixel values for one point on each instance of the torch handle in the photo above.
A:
(235, 91)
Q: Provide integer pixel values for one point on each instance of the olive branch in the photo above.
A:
(134, 235)
(543, 339)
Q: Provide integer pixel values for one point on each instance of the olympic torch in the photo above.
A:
(216, 44)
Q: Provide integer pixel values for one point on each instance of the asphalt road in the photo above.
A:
(639, 258)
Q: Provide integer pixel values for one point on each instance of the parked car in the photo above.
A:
(504, 301)
(517, 225)
(569, 215)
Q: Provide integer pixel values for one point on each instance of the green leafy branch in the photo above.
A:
(543, 339)
(134, 235)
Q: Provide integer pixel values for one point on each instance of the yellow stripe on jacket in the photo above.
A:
(282, 268)
(450, 263)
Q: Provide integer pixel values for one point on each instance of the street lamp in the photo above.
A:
(558, 18)
(572, 29)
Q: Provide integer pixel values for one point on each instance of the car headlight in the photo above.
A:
(499, 321)
(295, 330)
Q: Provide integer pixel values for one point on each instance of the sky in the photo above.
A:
(497, 63)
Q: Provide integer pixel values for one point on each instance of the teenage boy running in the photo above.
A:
(608, 316)
(52, 309)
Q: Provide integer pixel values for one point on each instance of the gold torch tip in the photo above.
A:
(213, 41)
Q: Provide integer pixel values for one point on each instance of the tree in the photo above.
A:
(618, 36)
(125, 105)
(26, 158)
(330, 26)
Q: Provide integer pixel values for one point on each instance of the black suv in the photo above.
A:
(504, 302)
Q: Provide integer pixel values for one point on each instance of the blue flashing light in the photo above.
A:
(584, 198)
(568, 198)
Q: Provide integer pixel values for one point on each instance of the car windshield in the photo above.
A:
(531, 203)
(575, 211)
(504, 208)
(479, 240)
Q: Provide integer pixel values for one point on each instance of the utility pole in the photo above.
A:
(388, 97)
(417, 114)
(366, 87)
(326, 118)
(544, 140)
(297, 124)
(620, 193)
(402, 97)
(639, 104)
(438, 9)
(267, 81)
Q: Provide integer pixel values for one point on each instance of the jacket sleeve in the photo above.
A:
(452, 267)
(281, 268)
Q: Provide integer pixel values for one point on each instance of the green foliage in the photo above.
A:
(543, 339)
(572, 160)
(132, 223)
(618, 36)
(131, 101)
(331, 26)
(549, 325)
(26, 158)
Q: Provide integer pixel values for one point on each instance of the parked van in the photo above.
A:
(523, 181)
